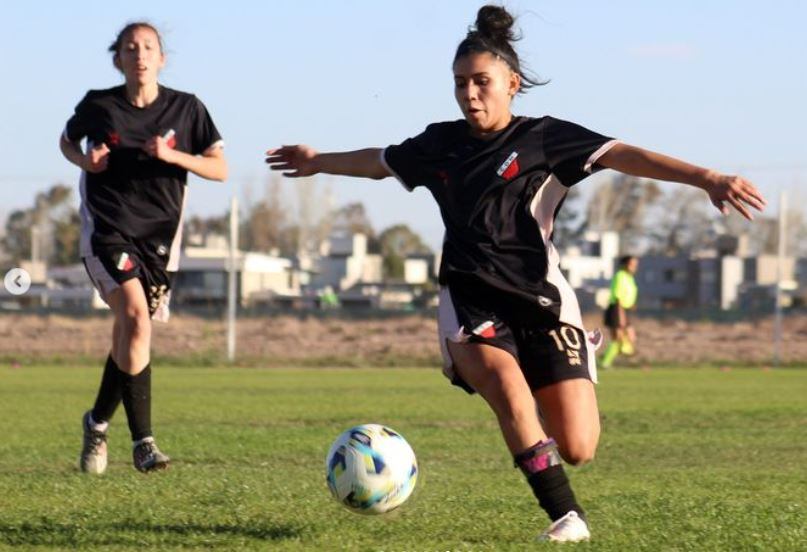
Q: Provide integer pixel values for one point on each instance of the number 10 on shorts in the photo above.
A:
(568, 340)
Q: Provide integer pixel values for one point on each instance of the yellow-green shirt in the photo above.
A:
(623, 290)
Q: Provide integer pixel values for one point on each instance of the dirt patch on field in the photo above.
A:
(405, 340)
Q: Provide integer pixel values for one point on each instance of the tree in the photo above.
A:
(264, 228)
(567, 226)
(621, 205)
(763, 232)
(352, 218)
(681, 223)
(67, 233)
(396, 243)
(290, 227)
(52, 221)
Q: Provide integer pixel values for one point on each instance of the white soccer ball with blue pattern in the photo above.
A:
(371, 469)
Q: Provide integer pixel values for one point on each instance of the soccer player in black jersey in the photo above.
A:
(509, 323)
(142, 138)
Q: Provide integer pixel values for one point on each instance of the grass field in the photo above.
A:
(689, 460)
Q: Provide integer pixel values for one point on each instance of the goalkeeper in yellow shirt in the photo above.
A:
(623, 298)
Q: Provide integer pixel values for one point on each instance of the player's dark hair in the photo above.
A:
(625, 259)
(493, 33)
(130, 28)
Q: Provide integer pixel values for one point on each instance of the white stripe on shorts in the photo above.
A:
(448, 328)
(101, 279)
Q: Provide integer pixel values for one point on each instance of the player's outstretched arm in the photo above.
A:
(301, 160)
(735, 190)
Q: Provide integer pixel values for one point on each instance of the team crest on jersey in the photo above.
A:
(485, 329)
(170, 137)
(125, 263)
(509, 169)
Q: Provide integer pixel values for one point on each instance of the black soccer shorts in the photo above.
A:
(546, 353)
(112, 265)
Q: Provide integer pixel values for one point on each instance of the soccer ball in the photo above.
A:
(371, 469)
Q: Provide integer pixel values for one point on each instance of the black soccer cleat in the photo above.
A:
(147, 457)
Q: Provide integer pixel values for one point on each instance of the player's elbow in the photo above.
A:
(64, 143)
(221, 172)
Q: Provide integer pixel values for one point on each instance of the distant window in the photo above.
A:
(669, 275)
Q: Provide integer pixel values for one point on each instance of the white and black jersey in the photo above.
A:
(138, 198)
(498, 199)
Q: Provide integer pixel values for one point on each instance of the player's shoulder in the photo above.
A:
(540, 123)
(178, 95)
(101, 94)
(447, 128)
(549, 124)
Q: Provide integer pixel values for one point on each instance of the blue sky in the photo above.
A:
(719, 83)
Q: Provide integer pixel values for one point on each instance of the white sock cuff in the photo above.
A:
(143, 440)
(102, 426)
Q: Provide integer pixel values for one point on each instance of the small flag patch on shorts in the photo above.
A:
(125, 263)
(485, 329)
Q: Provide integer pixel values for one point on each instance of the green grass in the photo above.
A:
(689, 460)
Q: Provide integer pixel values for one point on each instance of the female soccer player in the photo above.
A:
(142, 139)
(509, 323)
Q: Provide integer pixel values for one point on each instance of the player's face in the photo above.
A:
(633, 265)
(484, 86)
(140, 57)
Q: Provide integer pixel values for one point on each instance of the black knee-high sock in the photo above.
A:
(542, 466)
(137, 402)
(109, 393)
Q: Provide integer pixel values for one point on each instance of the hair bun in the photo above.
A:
(495, 22)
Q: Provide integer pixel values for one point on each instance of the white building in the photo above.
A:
(416, 269)
(202, 276)
(345, 261)
(594, 259)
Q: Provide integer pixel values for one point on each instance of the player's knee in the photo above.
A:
(578, 452)
(136, 322)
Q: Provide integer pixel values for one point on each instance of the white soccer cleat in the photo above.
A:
(93, 457)
(569, 528)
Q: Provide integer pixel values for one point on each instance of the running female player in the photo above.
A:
(142, 139)
(509, 323)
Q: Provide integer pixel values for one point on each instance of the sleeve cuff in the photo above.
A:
(214, 145)
(592, 160)
(383, 160)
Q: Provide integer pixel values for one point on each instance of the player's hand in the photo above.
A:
(97, 159)
(297, 160)
(158, 147)
(737, 192)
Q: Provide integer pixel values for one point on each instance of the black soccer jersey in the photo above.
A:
(498, 199)
(138, 197)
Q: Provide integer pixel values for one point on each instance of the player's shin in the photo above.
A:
(541, 464)
(137, 402)
(109, 393)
